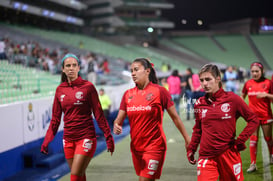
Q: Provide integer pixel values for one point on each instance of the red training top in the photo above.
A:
(145, 110)
(77, 100)
(215, 127)
(260, 106)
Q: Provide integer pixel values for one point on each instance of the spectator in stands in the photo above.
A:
(260, 94)
(187, 85)
(164, 83)
(215, 129)
(174, 83)
(164, 67)
(77, 99)
(83, 67)
(105, 102)
(230, 76)
(197, 91)
(92, 68)
(105, 66)
(144, 105)
(3, 49)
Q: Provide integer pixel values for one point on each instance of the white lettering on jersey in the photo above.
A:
(253, 93)
(139, 108)
(226, 116)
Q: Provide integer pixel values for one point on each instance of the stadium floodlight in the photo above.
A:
(184, 21)
(200, 22)
(150, 29)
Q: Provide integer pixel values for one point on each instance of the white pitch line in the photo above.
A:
(267, 172)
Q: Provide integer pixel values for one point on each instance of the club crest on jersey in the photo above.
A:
(79, 95)
(130, 98)
(225, 107)
(149, 96)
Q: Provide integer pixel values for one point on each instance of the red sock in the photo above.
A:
(77, 178)
(269, 144)
(253, 148)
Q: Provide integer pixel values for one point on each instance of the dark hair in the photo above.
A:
(190, 70)
(175, 73)
(261, 67)
(213, 69)
(63, 75)
(147, 64)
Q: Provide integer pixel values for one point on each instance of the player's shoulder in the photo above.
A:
(200, 101)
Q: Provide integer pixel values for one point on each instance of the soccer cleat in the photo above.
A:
(252, 168)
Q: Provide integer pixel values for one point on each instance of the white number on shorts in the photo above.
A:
(200, 164)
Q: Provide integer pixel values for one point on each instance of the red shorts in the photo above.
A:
(83, 147)
(228, 166)
(149, 164)
(267, 121)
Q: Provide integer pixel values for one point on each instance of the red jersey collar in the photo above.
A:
(78, 81)
(211, 98)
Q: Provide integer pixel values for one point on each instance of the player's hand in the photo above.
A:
(261, 95)
(110, 144)
(117, 129)
(190, 156)
(240, 145)
(44, 149)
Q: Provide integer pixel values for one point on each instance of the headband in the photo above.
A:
(257, 64)
(69, 55)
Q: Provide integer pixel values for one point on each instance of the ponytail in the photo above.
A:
(147, 64)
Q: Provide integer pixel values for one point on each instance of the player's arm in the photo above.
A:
(244, 92)
(119, 122)
(268, 95)
(179, 124)
(243, 96)
(120, 117)
(251, 119)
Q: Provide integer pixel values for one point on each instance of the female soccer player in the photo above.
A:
(77, 99)
(260, 93)
(215, 129)
(144, 105)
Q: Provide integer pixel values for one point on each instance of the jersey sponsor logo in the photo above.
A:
(87, 144)
(237, 168)
(79, 95)
(153, 164)
(204, 112)
(254, 93)
(139, 108)
(62, 97)
(225, 107)
(226, 116)
(149, 96)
